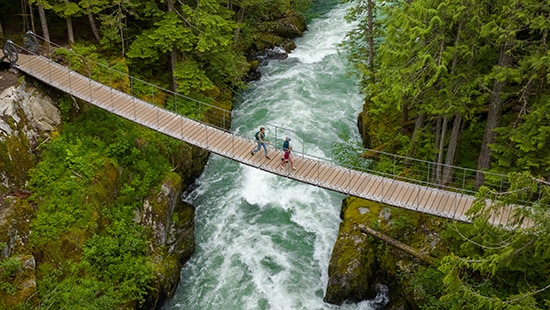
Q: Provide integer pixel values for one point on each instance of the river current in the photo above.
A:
(264, 241)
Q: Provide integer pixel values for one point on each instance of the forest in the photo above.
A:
(466, 83)
(456, 82)
(99, 195)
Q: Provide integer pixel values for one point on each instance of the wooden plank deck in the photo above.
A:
(397, 193)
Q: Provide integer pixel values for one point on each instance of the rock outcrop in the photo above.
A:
(352, 263)
(29, 117)
(361, 265)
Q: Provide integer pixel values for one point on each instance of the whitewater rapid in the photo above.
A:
(263, 241)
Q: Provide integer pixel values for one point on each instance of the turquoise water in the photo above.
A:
(263, 241)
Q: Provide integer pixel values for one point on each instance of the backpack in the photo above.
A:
(257, 136)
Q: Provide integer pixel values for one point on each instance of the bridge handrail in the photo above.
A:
(220, 118)
(496, 181)
(50, 53)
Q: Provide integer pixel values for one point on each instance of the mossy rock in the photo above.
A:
(352, 263)
(19, 285)
(171, 222)
(291, 26)
(20, 288)
(15, 161)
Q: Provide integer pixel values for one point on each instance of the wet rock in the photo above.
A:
(352, 263)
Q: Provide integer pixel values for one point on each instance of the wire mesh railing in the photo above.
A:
(115, 76)
(403, 168)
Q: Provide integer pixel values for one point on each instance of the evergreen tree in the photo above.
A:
(502, 267)
(522, 141)
(202, 36)
(446, 66)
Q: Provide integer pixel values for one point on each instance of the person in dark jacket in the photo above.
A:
(260, 139)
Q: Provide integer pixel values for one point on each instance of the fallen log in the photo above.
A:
(400, 245)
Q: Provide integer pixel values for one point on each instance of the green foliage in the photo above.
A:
(502, 267)
(85, 59)
(74, 291)
(8, 267)
(525, 144)
(87, 186)
(119, 258)
(65, 106)
(348, 154)
(427, 286)
(189, 108)
(169, 32)
(442, 59)
(202, 39)
(192, 78)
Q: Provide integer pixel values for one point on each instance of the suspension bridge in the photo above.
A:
(210, 133)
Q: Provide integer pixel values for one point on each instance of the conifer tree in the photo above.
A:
(42, 6)
(201, 35)
(522, 142)
(502, 267)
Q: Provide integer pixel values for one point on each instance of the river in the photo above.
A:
(264, 241)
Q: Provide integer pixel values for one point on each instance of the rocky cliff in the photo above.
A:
(361, 263)
(30, 117)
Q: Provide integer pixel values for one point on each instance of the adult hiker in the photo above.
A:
(260, 139)
(287, 158)
(286, 143)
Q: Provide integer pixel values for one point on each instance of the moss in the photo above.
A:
(15, 159)
(353, 262)
(17, 214)
(166, 269)
(359, 261)
(18, 287)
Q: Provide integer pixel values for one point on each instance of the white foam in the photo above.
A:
(264, 241)
(322, 38)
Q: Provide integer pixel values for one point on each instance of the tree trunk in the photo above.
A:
(173, 52)
(404, 118)
(44, 24)
(91, 19)
(447, 174)
(457, 126)
(31, 14)
(70, 33)
(493, 118)
(437, 138)
(240, 18)
(24, 15)
(441, 150)
(370, 38)
(418, 127)
(396, 243)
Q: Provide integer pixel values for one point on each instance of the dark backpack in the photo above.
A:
(257, 135)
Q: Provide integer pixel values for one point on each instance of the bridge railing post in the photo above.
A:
(138, 89)
(394, 172)
(111, 89)
(463, 180)
(152, 94)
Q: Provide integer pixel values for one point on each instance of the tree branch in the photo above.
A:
(403, 247)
